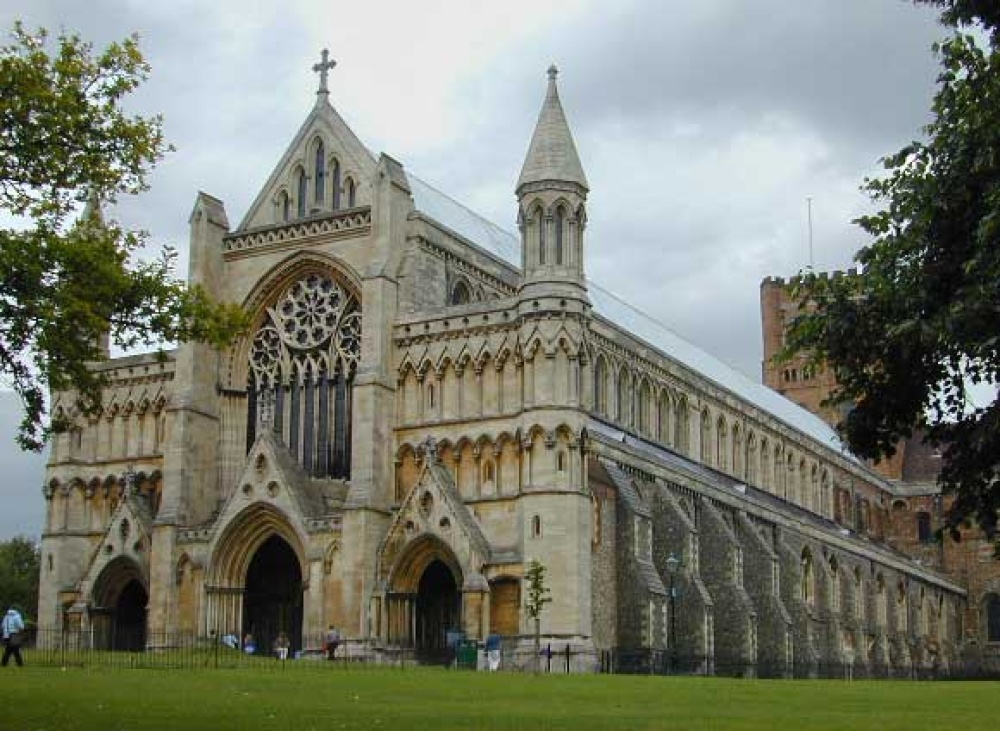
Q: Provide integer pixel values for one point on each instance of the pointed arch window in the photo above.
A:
(808, 586)
(624, 404)
(601, 387)
(721, 445)
(335, 183)
(460, 293)
(285, 205)
(559, 234)
(302, 364)
(320, 172)
(681, 426)
(301, 199)
(351, 190)
(542, 243)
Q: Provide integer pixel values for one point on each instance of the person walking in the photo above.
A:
(281, 646)
(12, 628)
(332, 642)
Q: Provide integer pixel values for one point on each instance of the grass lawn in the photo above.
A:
(302, 699)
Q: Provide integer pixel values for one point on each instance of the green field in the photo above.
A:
(303, 699)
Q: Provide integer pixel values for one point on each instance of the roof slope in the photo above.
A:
(506, 247)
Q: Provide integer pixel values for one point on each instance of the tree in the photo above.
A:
(68, 280)
(968, 12)
(538, 596)
(921, 322)
(19, 566)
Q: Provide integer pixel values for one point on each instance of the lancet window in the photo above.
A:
(560, 229)
(335, 184)
(302, 365)
(301, 194)
(285, 205)
(320, 173)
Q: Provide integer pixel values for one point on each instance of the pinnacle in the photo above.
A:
(552, 155)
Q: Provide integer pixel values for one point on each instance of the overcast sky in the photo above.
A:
(702, 126)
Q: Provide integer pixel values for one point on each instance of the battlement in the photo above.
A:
(796, 279)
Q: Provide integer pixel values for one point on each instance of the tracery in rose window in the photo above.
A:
(302, 363)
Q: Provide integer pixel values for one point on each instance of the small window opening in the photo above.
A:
(320, 173)
(301, 202)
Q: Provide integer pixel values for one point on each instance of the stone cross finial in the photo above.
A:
(553, 72)
(428, 450)
(323, 68)
(129, 479)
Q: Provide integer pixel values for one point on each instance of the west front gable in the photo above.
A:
(325, 168)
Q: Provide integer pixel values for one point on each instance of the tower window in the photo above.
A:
(536, 527)
(560, 227)
(561, 462)
(542, 243)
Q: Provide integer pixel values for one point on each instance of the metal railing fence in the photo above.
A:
(90, 649)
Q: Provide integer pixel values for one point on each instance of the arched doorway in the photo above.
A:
(130, 618)
(118, 611)
(272, 602)
(437, 609)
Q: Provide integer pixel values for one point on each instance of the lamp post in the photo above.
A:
(673, 563)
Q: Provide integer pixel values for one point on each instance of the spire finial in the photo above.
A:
(553, 72)
(323, 67)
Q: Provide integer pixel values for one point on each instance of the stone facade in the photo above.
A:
(917, 506)
(424, 404)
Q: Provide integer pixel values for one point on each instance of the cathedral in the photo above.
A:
(424, 404)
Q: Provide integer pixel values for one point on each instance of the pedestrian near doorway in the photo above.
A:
(281, 646)
(13, 633)
(332, 642)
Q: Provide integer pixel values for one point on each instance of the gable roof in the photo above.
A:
(323, 117)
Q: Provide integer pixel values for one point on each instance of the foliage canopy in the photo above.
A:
(920, 324)
(67, 280)
(19, 566)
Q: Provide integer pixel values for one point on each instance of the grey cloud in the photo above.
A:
(702, 127)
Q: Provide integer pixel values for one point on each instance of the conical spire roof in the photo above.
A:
(552, 153)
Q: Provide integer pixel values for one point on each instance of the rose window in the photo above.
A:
(302, 362)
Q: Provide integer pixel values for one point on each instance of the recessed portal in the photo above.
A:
(437, 608)
(118, 607)
(129, 628)
(273, 599)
